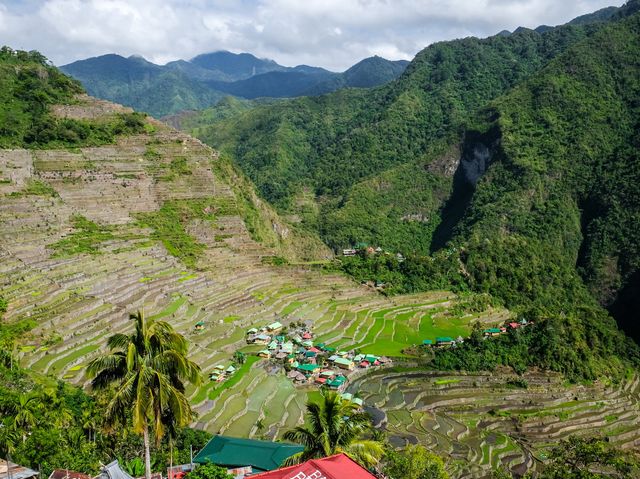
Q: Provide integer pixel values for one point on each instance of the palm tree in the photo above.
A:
(26, 411)
(335, 425)
(148, 368)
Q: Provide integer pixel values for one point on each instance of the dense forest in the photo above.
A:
(28, 86)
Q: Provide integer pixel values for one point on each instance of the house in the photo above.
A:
(307, 368)
(321, 380)
(297, 376)
(199, 326)
(385, 360)
(265, 353)
(444, 341)
(274, 327)
(327, 374)
(333, 467)
(306, 335)
(273, 345)
(262, 339)
(492, 332)
(231, 452)
(14, 471)
(344, 363)
(230, 370)
(67, 474)
(287, 348)
(427, 342)
(514, 325)
(252, 331)
(310, 354)
(348, 252)
(291, 358)
(281, 355)
(337, 382)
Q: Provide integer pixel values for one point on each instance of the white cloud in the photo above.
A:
(330, 33)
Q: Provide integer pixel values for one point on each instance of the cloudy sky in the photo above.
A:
(330, 33)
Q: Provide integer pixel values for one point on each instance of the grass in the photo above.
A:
(169, 310)
(35, 187)
(169, 225)
(442, 382)
(87, 238)
(230, 319)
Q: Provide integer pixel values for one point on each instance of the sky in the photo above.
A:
(333, 34)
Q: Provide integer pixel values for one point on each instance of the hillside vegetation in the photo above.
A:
(512, 160)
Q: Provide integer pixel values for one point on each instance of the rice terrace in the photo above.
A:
(159, 222)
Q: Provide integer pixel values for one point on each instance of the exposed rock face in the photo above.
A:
(476, 164)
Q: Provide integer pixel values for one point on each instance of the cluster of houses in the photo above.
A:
(370, 250)
(446, 341)
(220, 373)
(307, 362)
(506, 328)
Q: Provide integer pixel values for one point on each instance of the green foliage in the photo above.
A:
(413, 462)
(35, 187)
(86, 238)
(333, 426)
(28, 87)
(590, 458)
(147, 372)
(208, 471)
(169, 225)
(331, 144)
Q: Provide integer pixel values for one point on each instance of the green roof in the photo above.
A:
(444, 339)
(344, 361)
(308, 367)
(427, 341)
(236, 452)
(200, 323)
(492, 330)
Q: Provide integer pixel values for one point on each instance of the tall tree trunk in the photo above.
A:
(147, 453)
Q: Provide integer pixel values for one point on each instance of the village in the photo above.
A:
(307, 363)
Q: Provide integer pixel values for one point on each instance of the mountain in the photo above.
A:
(104, 211)
(367, 73)
(236, 66)
(201, 82)
(491, 163)
(143, 85)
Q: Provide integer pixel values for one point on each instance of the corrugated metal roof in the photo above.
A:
(15, 471)
(236, 452)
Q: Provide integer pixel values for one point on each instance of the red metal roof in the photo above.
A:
(333, 467)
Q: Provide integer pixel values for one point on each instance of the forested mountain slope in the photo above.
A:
(330, 143)
(199, 83)
(534, 199)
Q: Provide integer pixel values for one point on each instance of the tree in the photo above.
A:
(208, 471)
(414, 462)
(333, 426)
(239, 358)
(590, 458)
(149, 369)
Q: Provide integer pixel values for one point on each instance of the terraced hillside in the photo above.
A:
(157, 221)
(480, 422)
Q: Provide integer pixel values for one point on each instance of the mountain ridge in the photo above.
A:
(201, 82)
